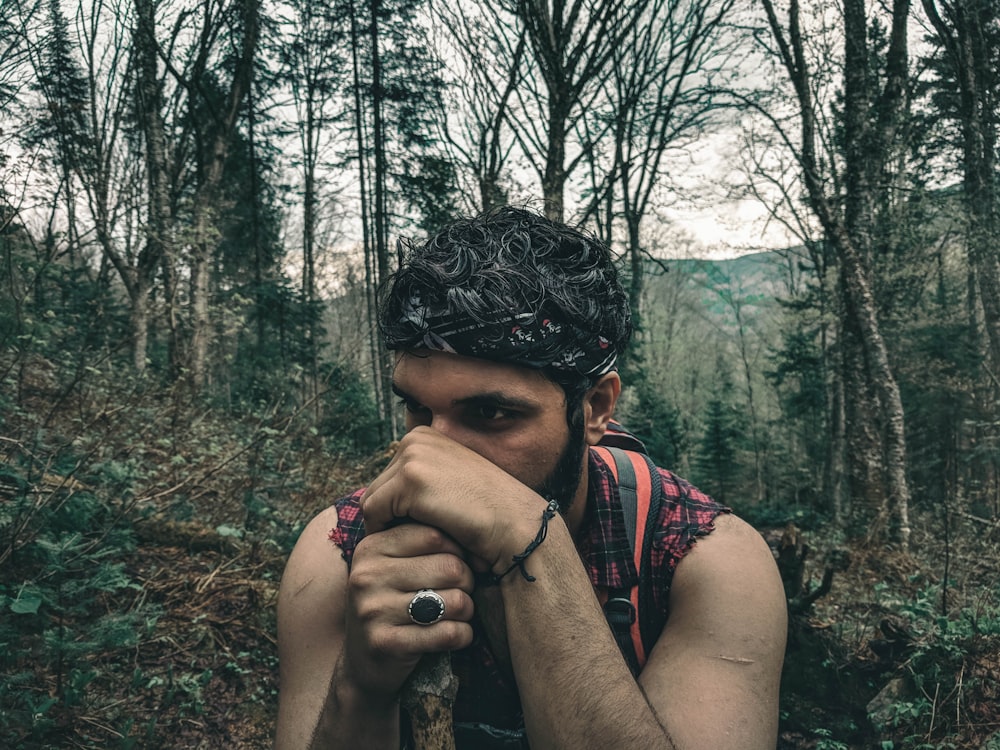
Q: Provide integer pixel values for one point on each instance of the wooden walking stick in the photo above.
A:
(428, 697)
(429, 694)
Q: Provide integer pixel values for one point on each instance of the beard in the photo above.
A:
(562, 482)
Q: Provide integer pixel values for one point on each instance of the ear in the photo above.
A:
(599, 406)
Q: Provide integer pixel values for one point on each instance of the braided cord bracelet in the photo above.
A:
(491, 579)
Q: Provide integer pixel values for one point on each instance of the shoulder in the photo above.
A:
(686, 515)
(732, 545)
(314, 559)
(318, 558)
(311, 601)
(683, 493)
(731, 572)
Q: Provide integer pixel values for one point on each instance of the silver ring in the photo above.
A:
(426, 607)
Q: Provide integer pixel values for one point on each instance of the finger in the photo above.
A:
(383, 503)
(414, 640)
(392, 633)
(400, 488)
(389, 473)
(458, 607)
(437, 571)
(409, 539)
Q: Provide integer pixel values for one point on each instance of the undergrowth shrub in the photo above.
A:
(142, 534)
(65, 596)
(951, 672)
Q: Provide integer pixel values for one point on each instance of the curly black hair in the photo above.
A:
(510, 262)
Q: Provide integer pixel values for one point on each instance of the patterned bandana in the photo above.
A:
(525, 339)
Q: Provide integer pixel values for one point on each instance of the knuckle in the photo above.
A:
(367, 546)
(410, 471)
(452, 569)
(366, 609)
(467, 608)
(362, 578)
(455, 635)
(381, 641)
(433, 537)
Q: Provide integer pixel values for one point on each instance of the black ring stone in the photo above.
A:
(426, 609)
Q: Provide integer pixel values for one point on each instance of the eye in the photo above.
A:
(492, 413)
(413, 407)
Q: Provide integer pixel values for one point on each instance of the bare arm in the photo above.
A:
(712, 680)
(723, 645)
(334, 695)
(310, 641)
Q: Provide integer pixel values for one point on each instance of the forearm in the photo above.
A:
(350, 719)
(576, 688)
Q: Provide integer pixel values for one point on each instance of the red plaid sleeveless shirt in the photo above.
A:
(485, 695)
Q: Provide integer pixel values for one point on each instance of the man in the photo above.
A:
(495, 532)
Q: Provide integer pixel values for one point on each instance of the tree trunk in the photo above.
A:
(835, 469)
(871, 122)
(554, 177)
(200, 286)
(158, 246)
(206, 202)
(380, 212)
(139, 321)
(969, 50)
(878, 376)
(360, 121)
(867, 503)
(572, 46)
(380, 176)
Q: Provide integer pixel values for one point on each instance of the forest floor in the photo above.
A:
(167, 639)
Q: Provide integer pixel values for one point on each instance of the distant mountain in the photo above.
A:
(715, 287)
(765, 273)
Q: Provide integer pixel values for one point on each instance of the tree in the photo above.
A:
(658, 424)
(571, 48)
(158, 251)
(212, 148)
(740, 303)
(396, 90)
(660, 93)
(487, 62)
(968, 32)
(82, 75)
(313, 63)
(846, 205)
(800, 376)
(719, 460)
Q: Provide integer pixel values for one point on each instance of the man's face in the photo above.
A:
(510, 415)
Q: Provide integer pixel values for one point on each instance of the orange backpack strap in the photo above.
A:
(630, 613)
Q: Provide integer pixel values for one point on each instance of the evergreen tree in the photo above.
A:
(658, 424)
(396, 93)
(719, 462)
(62, 122)
(800, 377)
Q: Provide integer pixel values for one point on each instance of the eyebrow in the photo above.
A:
(490, 398)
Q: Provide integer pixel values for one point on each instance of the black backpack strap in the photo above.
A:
(619, 609)
(651, 620)
(627, 493)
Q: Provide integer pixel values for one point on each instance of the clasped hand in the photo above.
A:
(438, 513)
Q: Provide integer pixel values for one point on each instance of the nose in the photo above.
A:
(445, 426)
(426, 418)
(453, 429)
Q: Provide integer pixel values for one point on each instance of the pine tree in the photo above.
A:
(720, 462)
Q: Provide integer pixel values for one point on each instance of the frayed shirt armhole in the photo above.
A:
(700, 532)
